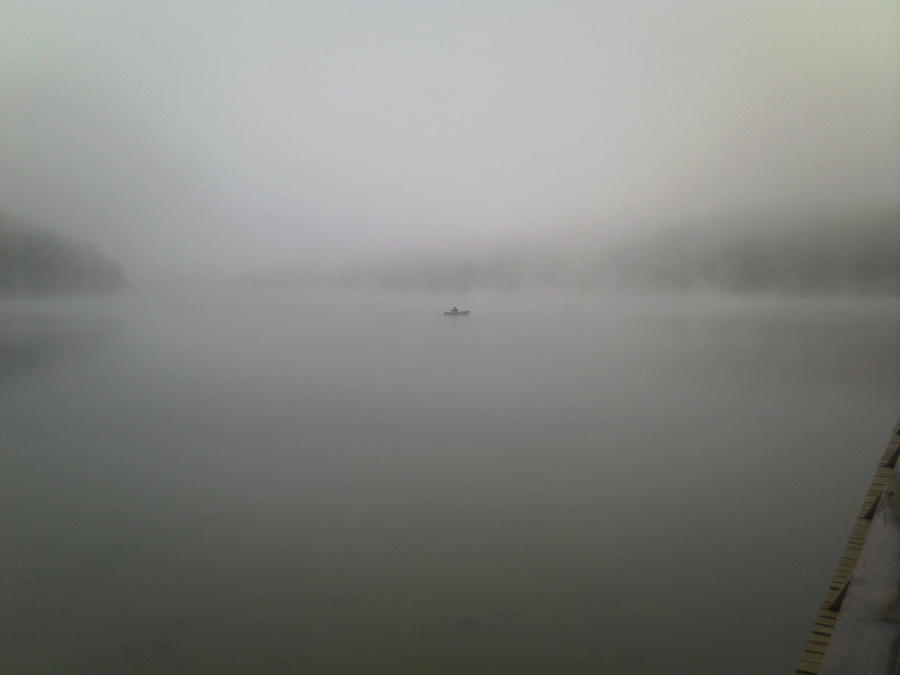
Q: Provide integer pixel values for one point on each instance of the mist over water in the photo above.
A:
(349, 482)
(272, 452)
(205, 139)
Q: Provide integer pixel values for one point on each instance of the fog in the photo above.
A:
(673, 228)
(211, 139)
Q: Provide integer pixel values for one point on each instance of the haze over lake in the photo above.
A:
(357, 483)
(266, 449)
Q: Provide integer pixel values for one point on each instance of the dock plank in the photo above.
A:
(815, 650)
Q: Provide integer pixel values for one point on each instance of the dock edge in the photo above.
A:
(812, 660)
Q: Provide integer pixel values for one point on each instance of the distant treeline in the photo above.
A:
(33, 261)
(859, 253)
(855, 252)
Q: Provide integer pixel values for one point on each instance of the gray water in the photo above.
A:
(360, 484)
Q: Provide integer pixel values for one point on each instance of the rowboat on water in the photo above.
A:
(458, 312)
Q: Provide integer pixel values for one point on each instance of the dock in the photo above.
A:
(857, 629)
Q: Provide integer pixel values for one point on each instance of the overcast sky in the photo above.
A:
(198, 134)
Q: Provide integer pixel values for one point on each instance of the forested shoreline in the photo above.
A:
(851, 253)
(36, 261)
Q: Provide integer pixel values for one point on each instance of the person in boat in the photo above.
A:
(455, 309)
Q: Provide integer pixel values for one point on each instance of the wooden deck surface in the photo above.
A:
(816, 649)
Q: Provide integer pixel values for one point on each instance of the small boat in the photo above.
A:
(457, 312)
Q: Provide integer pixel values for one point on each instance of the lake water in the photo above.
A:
(357, 483)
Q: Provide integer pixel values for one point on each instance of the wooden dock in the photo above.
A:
(815, 652)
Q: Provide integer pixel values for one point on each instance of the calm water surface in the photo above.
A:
(360, 484)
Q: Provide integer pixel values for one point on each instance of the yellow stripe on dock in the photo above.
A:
(816, 649)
